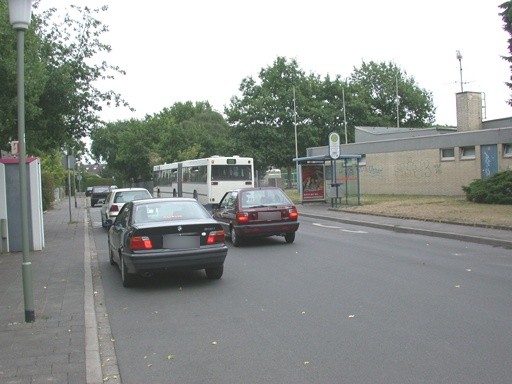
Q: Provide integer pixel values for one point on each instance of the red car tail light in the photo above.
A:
(293, 214)
(242, 217)
(141, 242)
(114, 208)
(215, 237)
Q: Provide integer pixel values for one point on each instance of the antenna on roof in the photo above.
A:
(459, 57)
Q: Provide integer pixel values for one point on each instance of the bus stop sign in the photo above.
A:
(334, 145)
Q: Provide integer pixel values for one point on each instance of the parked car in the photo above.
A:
(257, 212)
(88, 191)
(154, 235)
(99, 194)
(115, 200)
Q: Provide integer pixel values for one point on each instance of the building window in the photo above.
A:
(507, 150)
(447, 154)
(362, 160)
(467, 152)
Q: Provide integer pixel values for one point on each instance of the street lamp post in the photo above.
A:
(20, 12)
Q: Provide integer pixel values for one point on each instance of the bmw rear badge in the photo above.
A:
(179, 228)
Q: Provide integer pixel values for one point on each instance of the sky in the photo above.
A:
(201, 50)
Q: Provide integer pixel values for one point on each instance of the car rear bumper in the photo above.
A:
(144, 261)
(269, 229)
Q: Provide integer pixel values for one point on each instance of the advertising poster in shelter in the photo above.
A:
(313, 182)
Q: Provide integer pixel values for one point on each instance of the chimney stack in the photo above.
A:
(469, 111)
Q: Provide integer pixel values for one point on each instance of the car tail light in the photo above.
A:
(114, 208)
(293, 214)
(215, 237)
(141, 242)
(242, 217)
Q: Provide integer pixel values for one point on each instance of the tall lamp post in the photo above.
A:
(20, 13)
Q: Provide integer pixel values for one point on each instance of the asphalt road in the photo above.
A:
(343, 304)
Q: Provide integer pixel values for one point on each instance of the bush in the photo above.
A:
(48, 186)
(496, 189)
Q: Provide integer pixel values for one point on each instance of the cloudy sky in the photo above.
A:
(200, 50)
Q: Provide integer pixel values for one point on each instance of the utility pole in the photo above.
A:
(344, 115)
(397, 102)
(296, 143)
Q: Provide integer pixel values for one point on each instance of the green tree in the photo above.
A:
(72, 94)
(374, 88)
(124, 146)
(183, 131)
(506, 15)
(263, 118)
(35, 79)
(190, 130)
(62, 73)
(284, 98)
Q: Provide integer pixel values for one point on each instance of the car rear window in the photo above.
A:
(168, 211)
(125, 197)
(264, 197)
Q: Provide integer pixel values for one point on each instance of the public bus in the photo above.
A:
(206, 180)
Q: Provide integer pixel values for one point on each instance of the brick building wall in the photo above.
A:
(422, 172)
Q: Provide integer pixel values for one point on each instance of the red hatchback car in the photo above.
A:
(257, 212)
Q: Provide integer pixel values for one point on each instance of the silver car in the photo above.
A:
(117, 198)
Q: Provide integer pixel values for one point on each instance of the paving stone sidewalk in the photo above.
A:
(52, 349)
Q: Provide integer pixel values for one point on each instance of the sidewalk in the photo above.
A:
(70, 341)
(61, 346)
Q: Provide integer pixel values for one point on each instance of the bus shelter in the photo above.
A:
(323, 178)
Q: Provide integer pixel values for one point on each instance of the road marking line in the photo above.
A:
(326, 226)
(335, 227)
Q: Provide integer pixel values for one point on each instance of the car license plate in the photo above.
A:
(269, 215)
(180, 242)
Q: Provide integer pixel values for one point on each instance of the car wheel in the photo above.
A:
(235, 240)
(93, 203)
(214, 273)
(127, 278)
(289, 237)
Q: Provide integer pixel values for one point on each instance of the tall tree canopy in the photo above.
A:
(63, 100)
(263, 118)
(506, 15)
(183, 131)
(376, 88)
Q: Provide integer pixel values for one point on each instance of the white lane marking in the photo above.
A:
(349, 231)
(326, 226)
(335, 227)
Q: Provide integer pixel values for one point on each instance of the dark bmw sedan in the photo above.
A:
(257, 212)
(153, 235)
